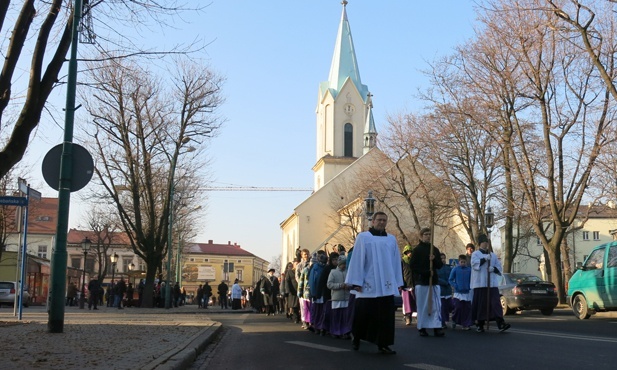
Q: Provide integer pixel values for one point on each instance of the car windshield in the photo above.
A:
(5, 285)
(523, 278)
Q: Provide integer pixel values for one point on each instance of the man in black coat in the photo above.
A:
(94, 288)
(424, 262)
(222, 290)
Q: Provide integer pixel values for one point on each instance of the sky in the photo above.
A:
(273, 55)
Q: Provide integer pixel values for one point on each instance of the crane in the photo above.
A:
(252, 188)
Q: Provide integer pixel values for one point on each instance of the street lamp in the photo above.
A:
(131, 268)
(114, 259)
(172, 189)
(370, 206)
(85, 246)
(489, 220)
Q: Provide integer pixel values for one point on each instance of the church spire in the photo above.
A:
(344, 62)
(370, 132)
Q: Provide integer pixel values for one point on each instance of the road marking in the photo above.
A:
(427, 367)
(318, 346)
(566, 336)
(545, 318)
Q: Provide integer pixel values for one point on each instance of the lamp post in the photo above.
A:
(114, 259)
(369, 202)
(172, 189)
(489, 221)
(85, 246)
(131, 268)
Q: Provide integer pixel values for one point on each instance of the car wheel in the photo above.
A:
(546, 311)
(504, 306)
(579, 307)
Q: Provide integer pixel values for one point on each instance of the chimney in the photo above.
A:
(229, 242)
(209, 241)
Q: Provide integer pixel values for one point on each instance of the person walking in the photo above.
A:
(200, 296)
(443, 274)
(207, 294)
(425, 261)
(222, 291)
(460, 279)
(129, 295)
(119, 291)
(293, 302)
(409, 299)
(486, 271)
(236, 296)
(94, 288)
(376, 276)
(71, 293)
(340, 316)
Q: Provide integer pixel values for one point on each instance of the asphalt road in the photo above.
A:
(559, 341)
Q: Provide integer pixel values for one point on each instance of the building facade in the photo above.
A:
(213, 263)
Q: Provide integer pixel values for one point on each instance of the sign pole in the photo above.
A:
(57, 286)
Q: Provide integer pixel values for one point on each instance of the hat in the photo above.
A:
(407, 248)
(271, 270)
(482, 238)
(342, 259)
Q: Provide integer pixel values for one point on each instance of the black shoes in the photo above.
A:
(386, 350)
(439, 332)
(355, 344)
(503, 326)
(423, 333)
(480, 329)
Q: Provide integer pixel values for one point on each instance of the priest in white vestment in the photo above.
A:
(376, 275)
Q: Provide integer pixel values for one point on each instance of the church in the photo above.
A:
(349, 164)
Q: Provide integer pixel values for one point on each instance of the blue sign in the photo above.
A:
(13, 201)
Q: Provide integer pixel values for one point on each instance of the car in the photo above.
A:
(520, 291)
(7, 293)
(593, 287)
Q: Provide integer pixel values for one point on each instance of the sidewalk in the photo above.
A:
(131, 338)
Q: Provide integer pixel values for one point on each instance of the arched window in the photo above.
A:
(348, 140)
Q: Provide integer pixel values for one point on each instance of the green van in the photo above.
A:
(593, 287)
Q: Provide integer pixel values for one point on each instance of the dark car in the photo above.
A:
(527, 292)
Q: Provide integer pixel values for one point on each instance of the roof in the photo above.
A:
(217, 249)
(110, 237)
(42, 216)
(344, 62)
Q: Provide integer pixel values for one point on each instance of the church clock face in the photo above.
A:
(349, 109)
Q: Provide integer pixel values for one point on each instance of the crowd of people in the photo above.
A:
(350, 294)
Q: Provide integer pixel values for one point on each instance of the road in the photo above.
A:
(559, 341)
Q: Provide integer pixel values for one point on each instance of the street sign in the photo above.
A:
(24, 188)
(13, 201)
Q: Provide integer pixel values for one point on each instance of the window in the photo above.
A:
(90, 264)
(596, 235)
(191, 259)
(239, 272)
(76, 262)
(348, 151)
(206, 260)
(585, 235)
(125, 264)
(42, 251)
(43, 218)
(595, 260)
(612, 257)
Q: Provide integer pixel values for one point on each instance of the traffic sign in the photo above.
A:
(14, 201)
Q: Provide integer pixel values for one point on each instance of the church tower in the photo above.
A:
(345, 125)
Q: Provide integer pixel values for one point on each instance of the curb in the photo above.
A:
(184, 355)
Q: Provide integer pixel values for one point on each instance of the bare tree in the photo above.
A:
(141, 127)
(102, 223)
(567, 111)
(41, 36)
